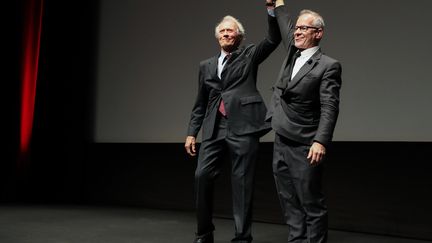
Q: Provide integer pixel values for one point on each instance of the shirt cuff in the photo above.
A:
(271, 12)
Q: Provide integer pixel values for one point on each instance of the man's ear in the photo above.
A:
(319, 34)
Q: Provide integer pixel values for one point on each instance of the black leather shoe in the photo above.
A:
(207, 238)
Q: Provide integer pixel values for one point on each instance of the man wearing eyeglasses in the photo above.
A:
(303, 113)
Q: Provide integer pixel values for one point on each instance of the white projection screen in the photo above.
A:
(149, 51)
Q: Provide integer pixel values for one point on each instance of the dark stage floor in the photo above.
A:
(78, 224)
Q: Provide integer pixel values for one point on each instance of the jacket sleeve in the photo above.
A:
(285, 26)
(329, 100)
(270, 43)
(200, 106)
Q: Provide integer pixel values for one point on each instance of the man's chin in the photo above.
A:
(229, 48)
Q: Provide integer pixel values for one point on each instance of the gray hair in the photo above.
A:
(240, 30)
(318, 19)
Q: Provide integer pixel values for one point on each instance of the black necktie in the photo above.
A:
(221, 104)
(296, 55)
(226, 58)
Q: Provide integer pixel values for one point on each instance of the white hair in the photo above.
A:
(318, 19)
(240, 30)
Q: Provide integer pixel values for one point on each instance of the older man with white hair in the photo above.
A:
(231, 113)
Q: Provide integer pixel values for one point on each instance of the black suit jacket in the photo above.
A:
(306, 108)
(236, 87)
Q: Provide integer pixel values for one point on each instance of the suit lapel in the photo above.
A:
(286, 64)
(307, 67)
(233, 57)
(212, 66)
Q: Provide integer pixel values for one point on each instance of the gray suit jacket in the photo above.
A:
(236, 87)
(306, 109)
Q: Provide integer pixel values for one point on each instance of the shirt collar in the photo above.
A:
(222, 56)
(307, 53)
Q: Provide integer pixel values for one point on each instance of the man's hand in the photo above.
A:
(316, 153)
(270, 4)
(279, 3)
(190, 145)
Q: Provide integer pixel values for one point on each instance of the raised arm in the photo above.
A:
(285, 23)
(272, 39)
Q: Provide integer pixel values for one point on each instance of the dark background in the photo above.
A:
(376, 187)
(148, 55)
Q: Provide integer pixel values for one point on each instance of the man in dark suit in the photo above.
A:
(303, 113)
(231, 112)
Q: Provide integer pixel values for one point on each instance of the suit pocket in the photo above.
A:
(250, 100)
(253, 111)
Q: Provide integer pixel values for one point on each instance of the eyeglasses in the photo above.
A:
(304, 28)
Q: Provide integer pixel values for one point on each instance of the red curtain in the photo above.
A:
(32, 15)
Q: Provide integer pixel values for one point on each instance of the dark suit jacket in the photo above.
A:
(237, 88)
(306, 108)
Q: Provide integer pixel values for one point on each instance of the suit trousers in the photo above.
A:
(299, 187)
(242, 151)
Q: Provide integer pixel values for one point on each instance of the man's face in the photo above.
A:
(228, 36)
(305, 34)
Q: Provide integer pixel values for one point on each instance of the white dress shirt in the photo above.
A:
(305, 55)
(220, 64)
